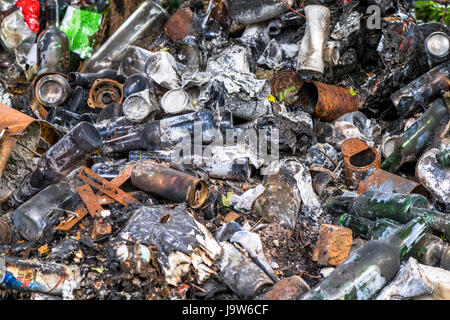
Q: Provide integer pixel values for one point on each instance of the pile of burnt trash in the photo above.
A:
(227, 150)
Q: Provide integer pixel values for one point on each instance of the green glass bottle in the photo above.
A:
(411, 143)
(371, 267)
(430, 250)
(402, 208)
(443, 158)
(374, 205)
(371, 230)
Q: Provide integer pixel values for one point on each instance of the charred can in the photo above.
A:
(169, 183)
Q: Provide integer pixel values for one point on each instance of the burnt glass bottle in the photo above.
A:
(53, 44)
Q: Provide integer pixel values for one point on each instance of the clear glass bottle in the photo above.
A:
(371, 267)
(53, 44)
(411, 143)
(146, 22)
(32, 217)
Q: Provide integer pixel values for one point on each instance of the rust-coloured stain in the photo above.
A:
(101, 228)
(333, 102)
(384, 181)
(358, 158)
(180, 25)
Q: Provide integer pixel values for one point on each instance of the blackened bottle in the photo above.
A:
(53, 44)
(59, 161)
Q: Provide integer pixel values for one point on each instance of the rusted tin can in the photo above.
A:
(169, 183)
(380, 180)
(358, 158)
(37, 276)
(285, 86)
(327, 102)
(180, 25)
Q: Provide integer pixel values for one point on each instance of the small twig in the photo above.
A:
(304, 272)
(326, 155)
(197, 287)
(290, 8)
(25, 147)
(72, 212)
(260, 219)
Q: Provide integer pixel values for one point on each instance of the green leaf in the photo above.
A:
(99, 270)
(353, 92)
(226, 200)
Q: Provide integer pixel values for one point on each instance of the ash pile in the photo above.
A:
(223, 150)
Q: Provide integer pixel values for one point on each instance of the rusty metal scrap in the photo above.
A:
(384, 181)
(103, 185)
(104, 92)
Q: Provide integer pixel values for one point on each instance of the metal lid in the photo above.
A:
(438, 44)
(52, 90)
(176, 101)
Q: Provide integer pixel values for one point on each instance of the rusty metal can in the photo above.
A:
(358, 158)
(380, 180)
(286, 84)
(169, 183)
(327, 102)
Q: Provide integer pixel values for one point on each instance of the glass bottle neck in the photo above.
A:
(52, 13)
